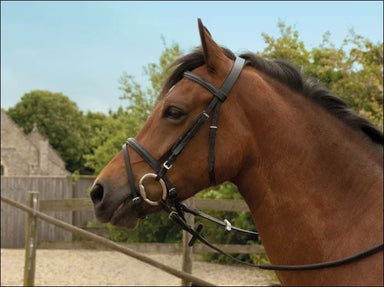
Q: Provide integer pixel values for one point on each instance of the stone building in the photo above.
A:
(25, 155)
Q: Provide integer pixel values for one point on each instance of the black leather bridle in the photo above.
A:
(170, 201)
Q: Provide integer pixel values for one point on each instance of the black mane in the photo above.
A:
(288, 74)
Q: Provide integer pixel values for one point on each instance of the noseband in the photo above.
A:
(170, 201)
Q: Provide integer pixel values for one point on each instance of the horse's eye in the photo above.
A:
(173, 113)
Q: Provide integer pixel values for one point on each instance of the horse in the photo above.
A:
(308, 167)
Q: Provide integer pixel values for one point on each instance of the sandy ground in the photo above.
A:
(83, 267)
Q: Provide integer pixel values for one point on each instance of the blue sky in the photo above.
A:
(82, 48)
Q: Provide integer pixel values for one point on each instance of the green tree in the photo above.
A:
(58, 119)
(361, 84)
(286, 47)
(353, 71)
(107, 139)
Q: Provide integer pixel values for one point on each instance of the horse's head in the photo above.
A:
(181, 103)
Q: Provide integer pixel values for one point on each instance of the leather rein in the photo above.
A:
(170, 201)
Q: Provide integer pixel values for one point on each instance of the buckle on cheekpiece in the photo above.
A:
(166, 165)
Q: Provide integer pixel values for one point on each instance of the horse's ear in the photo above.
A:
(213, 55)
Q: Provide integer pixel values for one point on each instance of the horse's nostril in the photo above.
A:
(97, 193)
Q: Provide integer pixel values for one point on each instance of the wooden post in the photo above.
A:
(187, 251)
(31, 239)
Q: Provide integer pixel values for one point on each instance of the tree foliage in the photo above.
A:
(58, 119)
(353, 71)
(109, 133)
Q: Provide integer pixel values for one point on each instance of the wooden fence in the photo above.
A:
(13, 220)
(85, 204)
(50, 188)
(68, 200)
(31, 239)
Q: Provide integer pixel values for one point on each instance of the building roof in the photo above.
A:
(27, 154)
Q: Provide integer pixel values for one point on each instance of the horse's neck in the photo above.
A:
(313, 185)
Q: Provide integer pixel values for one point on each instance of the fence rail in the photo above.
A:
(72, 204)
(103, 241)
(153, 247)
(50, 188)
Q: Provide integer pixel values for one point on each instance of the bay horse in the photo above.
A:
(309, 169)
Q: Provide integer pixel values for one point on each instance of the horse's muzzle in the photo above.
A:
(114, 207)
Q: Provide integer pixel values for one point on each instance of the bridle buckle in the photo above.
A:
(166, 165)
